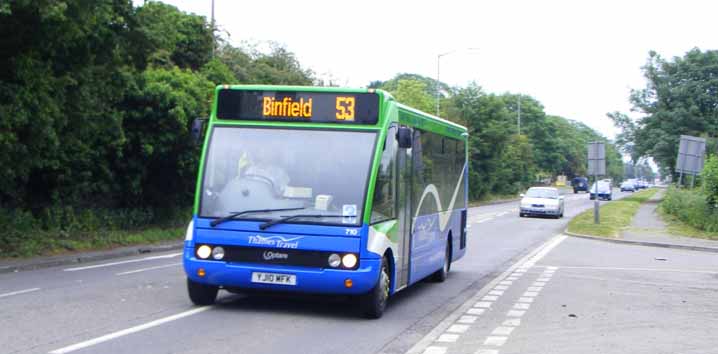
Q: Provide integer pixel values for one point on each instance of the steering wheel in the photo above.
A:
(263, 179)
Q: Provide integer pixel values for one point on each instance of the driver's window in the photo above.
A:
(385, 190)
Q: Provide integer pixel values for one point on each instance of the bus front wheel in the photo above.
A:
(201, 294)
(374, 302)
(440, 275)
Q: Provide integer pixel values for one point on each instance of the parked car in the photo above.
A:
(602, 190)
(542, 201)
(628, 186)
(579, 184)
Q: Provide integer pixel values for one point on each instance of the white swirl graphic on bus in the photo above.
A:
(275, 241)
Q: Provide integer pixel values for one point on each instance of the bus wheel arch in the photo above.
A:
(440, 275)
(374, 302)
(389, 256)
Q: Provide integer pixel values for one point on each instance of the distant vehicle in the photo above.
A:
(602, 190)
(579, 184)
(640, 184)
(542, 201)
(628, 186)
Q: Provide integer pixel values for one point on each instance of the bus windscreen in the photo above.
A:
(293, 106)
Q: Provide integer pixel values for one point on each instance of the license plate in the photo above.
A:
(274, 278)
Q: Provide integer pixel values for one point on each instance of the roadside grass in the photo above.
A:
(677, 227)
(49, 244)
(614, 216)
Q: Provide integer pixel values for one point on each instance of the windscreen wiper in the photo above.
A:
(290, 217)
(235, 214)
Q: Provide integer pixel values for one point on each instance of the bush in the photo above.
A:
(691, 207)
(710, 180)
(63, 228)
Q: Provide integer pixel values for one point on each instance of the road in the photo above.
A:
(139, 304)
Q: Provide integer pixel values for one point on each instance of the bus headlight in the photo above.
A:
(190, 231)
(204, 251)
(334, 260)
(349, 260)
(218, 253)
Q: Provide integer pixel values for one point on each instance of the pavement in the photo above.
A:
(624, 298)
(648, 228)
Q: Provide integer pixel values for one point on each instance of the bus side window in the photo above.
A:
(383, 207)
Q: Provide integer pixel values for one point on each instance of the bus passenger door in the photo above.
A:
(403, 201)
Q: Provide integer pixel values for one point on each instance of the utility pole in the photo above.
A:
(518, 119)
(212, 24)
(438, 72)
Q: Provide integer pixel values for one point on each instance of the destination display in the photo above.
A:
(317, 107)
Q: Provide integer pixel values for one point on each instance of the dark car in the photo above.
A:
(579, 184)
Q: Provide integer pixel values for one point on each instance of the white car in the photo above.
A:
(541, 201)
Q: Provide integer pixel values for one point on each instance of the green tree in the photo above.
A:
(413, 93)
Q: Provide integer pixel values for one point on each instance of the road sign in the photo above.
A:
(597, 158)
(690, 155)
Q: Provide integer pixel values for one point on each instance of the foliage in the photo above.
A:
(615, 216)
(681, 97)
(413, 93)
(691, 207)
(709, 176)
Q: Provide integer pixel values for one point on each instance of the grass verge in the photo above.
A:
(615, 216)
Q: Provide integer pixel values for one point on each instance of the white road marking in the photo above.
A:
(487, 351)
(512, 322)
(149, 268)
(545, 250)
(696, 271)
(435, 350)
(526, 299)
(484, 304)
(506, 282)
(19, 292)
(490, 298)
(123, 262)
(483, 220)
(521, 306)
(475, 311)
(535, 288)
(495, 341)
(530, 294)
(496, 292)
(520, 270)
(458, 328)
(127, 331)
(447, 338)
(543, 279)
(512, 278)
(457, 316)
(551, 267)
(467, 319)
(501, 287)
(515, 313)
(539, 283)
(502, 331)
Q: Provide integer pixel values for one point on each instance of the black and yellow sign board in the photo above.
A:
(317, 107)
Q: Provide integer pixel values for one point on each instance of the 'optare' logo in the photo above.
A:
(269, 255)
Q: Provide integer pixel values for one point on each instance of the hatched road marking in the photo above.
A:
(123, 262)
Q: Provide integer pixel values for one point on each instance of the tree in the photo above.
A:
(680, 98)
(413, 93)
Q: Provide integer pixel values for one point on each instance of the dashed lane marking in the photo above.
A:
(124, 332)
(123, 262)
(447, 338)
(18, 292)
(458, 328)
(502, 331)
(435, 350)
(496, 341)
(149, 268)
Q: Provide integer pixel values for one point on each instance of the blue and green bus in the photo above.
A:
(325, 191)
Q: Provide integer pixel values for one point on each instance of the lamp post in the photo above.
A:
(438, 73)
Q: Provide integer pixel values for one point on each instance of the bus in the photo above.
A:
(324, 191)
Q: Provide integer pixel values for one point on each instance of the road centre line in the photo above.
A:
(110, 264)
(19, 292)
(127, 331)
(458, 315)
(149, 268)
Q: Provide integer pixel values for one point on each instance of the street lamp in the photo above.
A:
(438, 72)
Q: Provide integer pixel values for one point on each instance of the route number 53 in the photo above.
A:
(345, 108)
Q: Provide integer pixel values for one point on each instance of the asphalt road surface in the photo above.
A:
(139, 304)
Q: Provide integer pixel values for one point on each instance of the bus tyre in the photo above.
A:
(374, 303)
(440, 275)
(201, 294)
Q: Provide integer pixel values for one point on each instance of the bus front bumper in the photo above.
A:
(308, 280)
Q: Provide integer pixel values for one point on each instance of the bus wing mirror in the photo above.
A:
(197, 127)
(403, 136)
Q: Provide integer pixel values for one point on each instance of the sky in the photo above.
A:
(579, 59)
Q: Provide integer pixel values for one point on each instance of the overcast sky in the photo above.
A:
(579, 60)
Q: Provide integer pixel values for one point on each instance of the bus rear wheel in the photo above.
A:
(201, 294)
(374, 303)
(440, 275)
